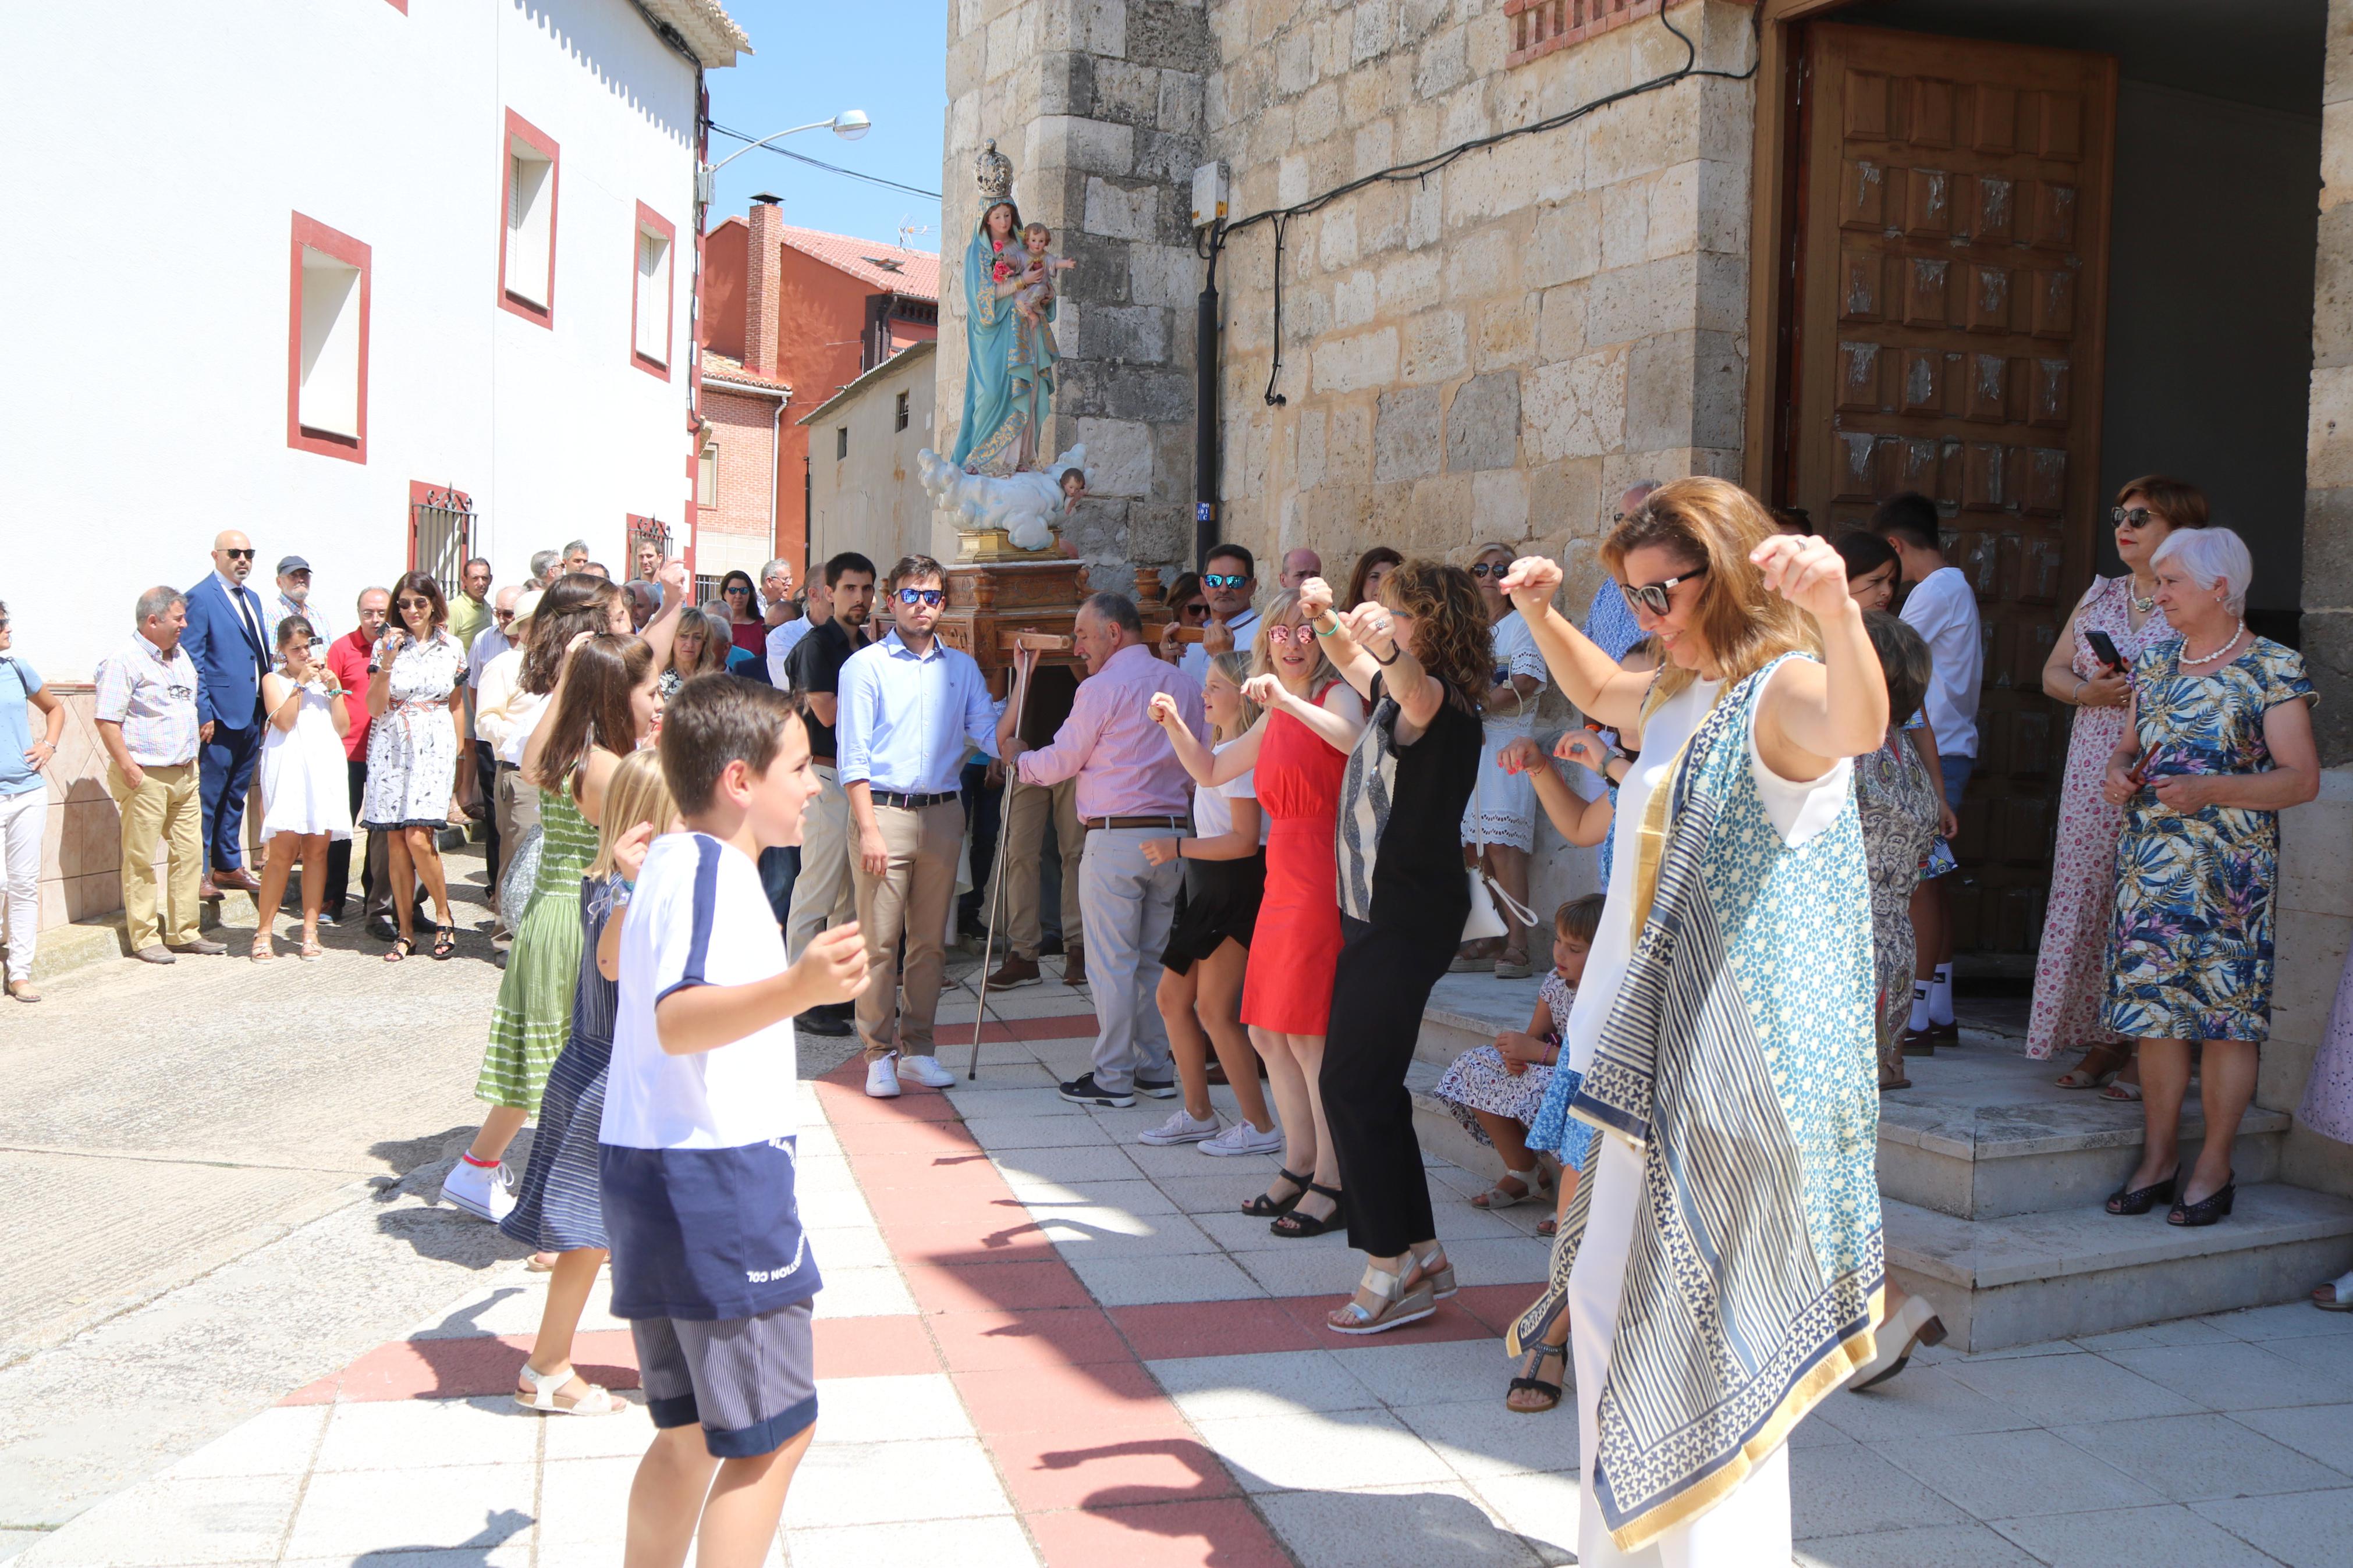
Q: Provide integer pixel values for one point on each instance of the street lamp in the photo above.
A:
(850, 125)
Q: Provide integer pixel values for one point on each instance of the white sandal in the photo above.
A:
(1495, 1197)
(2337, 1296)
(1399, 1306)
(1915, 1324)
(545, 1398)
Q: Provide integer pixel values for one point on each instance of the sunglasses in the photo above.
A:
(932, 596)
(2136, 517)
(1654, 597)
(238, 554)
(503, 614)
(416, 604)
(1487, 569)
(1302, 635)
(1201, 611)
(1222, 580)
(738, 588)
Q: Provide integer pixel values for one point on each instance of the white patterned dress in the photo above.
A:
(1478, 1080)
(2071, 971)
(1503, 808)
(413, 748)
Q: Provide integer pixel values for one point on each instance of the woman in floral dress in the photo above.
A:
(2217, 741)
(1903, 809)
(412, 741)
(2071, 971)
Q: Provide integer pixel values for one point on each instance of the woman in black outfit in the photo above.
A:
(1420, 653)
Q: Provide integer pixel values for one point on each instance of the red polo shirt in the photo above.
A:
(347, 656)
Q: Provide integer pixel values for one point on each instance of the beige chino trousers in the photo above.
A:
(164, 809)
(910, 899)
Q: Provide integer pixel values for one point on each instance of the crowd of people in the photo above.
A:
(1279, 821)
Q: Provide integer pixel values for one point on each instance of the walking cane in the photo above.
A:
(1027, 645)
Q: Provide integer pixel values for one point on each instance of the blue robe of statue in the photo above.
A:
(1010, 374)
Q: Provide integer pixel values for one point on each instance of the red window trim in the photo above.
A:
(650, 219)
(517, 127)
(313, 234)
(400, 5)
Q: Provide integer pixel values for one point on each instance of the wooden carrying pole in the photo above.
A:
(1025, 648)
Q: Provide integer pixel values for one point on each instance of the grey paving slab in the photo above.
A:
(2000, 1475)
(2239, 1376)
(2325, 1432)
(964, 1543)
(1844, 1492)
(1394, 1527)
(2057, 1390)
(1927, 1546)
(2193, 1459)
(2311, 1534)
(2170, 1537)
(1280, 1382)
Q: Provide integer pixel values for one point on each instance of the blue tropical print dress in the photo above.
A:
(2190, 952)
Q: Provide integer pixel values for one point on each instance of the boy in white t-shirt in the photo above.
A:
(1943, 608)
(710, 1264)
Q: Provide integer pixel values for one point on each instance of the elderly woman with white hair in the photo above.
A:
(2218, 740)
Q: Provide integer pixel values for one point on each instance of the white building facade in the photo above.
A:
(399, 270)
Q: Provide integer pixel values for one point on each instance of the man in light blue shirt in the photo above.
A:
(907, 711)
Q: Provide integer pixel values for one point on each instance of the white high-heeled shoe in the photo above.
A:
(1915, 1323)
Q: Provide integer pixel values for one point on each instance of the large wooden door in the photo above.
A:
(1950, 292)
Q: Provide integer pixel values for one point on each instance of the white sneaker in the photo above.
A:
(1180, 1127)
(485, 1191)
(926, 1071)
(1242, 1138)
(882, 1077)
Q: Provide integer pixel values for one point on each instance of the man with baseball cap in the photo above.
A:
(294, 598)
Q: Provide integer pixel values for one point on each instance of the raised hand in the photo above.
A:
(1806, 571)
(1315, 598)
(672, 575)
(1532, 582)
(1164, 713)
(1520, 756)
(630, 849)
(574, 646)
(1371, 628)
(835, 960)
(1583, 746)
(1263, 689)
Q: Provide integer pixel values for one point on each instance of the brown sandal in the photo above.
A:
(402, 946)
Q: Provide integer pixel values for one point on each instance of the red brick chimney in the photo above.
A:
(762, 287)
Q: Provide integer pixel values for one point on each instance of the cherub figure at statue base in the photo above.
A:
(1022, 507)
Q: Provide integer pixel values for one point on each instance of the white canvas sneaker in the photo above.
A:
(1180, 1127)
(882, 1077)
(485, 1191)
(926, 1071)
(1242, 1138)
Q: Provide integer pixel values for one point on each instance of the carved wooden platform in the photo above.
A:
(991, 603)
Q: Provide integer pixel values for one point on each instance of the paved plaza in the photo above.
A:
(1040, 1341)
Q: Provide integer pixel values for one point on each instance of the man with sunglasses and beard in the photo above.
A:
(229, 640)
(908, 709)
(1230, 582)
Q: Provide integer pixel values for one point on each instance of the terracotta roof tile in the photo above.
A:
(915, 273)
(725, 369)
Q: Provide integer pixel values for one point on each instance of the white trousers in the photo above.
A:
(1750, 1525)
(22, 819)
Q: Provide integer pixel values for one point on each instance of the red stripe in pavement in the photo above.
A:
(1099, 1462)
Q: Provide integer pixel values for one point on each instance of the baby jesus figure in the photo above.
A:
(1032, 300)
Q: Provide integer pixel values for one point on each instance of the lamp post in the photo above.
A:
(850, 125)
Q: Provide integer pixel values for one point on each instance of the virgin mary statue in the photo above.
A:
(1009, 366)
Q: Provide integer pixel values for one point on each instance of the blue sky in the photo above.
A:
(888, 57)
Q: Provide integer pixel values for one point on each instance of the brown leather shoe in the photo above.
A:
(1074, 966)
(1013, 971)
(1920, 1042)
(203, 947)
(205, 892)
(239, 878)
(156, 955)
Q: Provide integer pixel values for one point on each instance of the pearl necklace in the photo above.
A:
(2187, 662)
(2140, 606)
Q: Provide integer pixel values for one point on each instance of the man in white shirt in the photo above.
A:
(488, 644)
(1230, 582)
(294, 598)
(908, 709)
(1943, 608)
(784, 638)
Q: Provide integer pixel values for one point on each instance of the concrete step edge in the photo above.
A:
(1982, 1253)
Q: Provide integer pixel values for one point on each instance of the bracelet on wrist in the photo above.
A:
(1385, 663)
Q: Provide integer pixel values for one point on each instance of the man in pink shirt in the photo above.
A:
(1131, 789)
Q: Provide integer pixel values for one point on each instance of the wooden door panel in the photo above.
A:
(1948, 339)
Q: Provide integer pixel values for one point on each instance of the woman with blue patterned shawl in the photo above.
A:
(2217, 741)
(1721, 1261)
(1008, 379)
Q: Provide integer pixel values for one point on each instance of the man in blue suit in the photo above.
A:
(226, 638)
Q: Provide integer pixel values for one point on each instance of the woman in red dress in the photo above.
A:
(1287, 989)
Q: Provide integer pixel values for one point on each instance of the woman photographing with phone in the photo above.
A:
(416, 725)
(305, 783)
(2116, 621)
(1727, 1056)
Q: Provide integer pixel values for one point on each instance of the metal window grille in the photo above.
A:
(641, 529)
(706, 587)
(441, 536)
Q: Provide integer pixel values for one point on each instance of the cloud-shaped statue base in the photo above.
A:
(1025, 505)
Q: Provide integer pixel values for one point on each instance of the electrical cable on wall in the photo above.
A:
(1278, 218)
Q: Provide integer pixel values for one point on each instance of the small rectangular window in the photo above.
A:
(706, 477)
(840, 443)
(651, 297)
(327, 350)
(527, 241)
(901, 425)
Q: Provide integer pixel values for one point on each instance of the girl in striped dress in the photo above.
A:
(558, 1208)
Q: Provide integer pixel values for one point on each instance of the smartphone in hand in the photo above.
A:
(2104, 648)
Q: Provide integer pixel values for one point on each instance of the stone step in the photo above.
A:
(1984, 1133)
(2026, 1279)
(1471, 1009)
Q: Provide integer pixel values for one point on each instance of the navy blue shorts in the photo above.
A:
(750, 1382)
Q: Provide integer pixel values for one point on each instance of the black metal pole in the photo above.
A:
(1205, 417)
